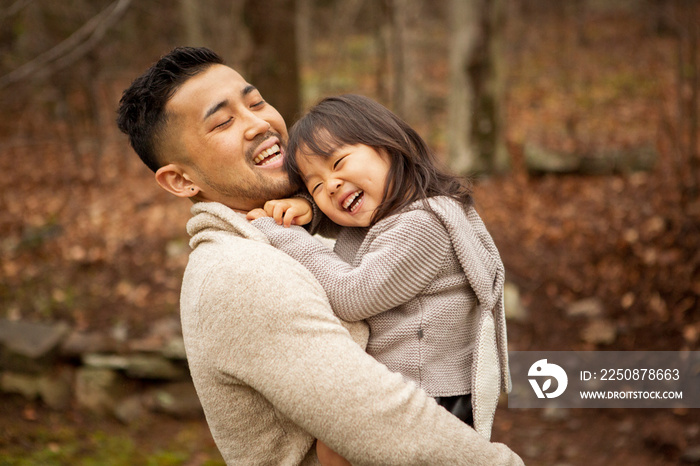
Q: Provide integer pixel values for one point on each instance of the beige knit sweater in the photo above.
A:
(429, 283)
(274, 368)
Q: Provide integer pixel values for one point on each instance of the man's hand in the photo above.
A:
(286, 212)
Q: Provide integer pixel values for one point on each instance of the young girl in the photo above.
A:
(412, 257)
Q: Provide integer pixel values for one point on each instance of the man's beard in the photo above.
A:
(258, 189)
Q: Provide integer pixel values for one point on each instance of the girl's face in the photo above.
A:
(349, 185)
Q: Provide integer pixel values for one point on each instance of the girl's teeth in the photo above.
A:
(348, 202)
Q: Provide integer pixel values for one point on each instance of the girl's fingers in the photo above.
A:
(304, 218)
(256, 214)
(278, 212)
(289, 217)
(289, 212)
(270, 208)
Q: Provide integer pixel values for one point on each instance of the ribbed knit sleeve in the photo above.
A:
(320, 224)
(404, 255)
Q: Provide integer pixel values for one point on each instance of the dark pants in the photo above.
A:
(460, 406)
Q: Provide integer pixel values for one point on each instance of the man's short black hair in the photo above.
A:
(141, 113)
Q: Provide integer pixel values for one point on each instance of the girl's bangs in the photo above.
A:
(319, 141)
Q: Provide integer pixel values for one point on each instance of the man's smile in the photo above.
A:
(270, 154)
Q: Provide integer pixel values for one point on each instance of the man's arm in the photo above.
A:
(281, 338)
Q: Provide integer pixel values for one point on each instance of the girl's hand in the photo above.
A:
(287, 212)
(256, 214)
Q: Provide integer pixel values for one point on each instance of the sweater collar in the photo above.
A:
(212, 217)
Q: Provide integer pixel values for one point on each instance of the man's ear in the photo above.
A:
(171, 178)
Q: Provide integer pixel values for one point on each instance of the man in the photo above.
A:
(273, 367)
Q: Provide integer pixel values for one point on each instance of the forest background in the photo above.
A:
(581, 136)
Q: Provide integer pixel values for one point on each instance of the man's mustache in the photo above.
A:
(250, 154)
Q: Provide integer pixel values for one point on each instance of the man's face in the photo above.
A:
(228, 140)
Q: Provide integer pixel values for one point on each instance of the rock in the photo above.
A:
(149, 344)
(79, 343)
(177, 399)
(635, 159)
(691, 455)
(589, 307)
(30, 339)
(165, 337)
(101, 390)
(130, 409)
(541, 160)
(106, 361)
(27, 385)
(155, 368)
(175, 348)
(145, 366)
(513, 305)
(56, 390)
(599, 332)
(171, 347)
(605, 161)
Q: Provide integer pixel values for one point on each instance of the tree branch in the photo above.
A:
(72, 48)
(14, 8)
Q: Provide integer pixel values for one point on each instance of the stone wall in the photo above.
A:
(106, 374)
(112, 374)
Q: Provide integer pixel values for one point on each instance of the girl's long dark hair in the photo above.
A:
(353, 119)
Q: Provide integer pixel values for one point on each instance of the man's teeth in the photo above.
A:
(348, 203)
(262, 156)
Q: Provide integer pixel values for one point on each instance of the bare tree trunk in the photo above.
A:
(497, 88)
(463, 37)
(192, 22)
(341, 26)
(658, 15)
(406, 69)
(238, 43)
(475, 110)
(688, 97)
(382, 38)
(694, 100)
(273, 64)
(304, 37)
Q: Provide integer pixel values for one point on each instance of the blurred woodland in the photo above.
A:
(577, 119)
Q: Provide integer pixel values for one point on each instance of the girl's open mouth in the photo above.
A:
(353, 201)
